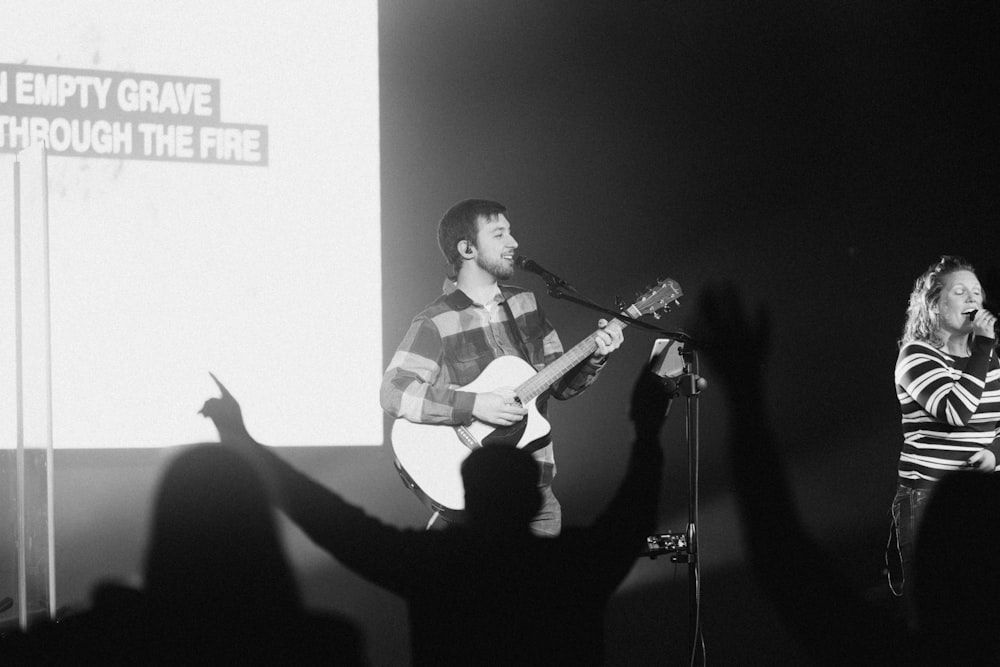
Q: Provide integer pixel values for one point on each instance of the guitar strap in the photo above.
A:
(518, 338)
(547, 469)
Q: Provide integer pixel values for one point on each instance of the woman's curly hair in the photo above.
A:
(921, 323)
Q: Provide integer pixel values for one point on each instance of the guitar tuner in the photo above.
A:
(666, 543)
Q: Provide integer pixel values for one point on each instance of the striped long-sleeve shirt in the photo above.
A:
(450, 343)
(950, 407)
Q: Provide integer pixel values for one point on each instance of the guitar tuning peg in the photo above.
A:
(656, 315)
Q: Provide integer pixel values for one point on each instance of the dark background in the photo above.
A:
(819, 155)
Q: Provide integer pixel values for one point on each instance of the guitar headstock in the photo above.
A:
(656, 299)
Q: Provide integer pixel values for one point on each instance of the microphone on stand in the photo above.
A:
(532, 266)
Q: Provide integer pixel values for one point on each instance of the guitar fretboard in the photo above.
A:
(549, 375)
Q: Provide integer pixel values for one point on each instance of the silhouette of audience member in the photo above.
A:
(957, 572)
(487, 591)
(832, 620)
(218, 589)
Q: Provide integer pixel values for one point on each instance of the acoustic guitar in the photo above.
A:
(429, 456)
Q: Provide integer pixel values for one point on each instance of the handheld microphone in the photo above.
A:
(971, 315)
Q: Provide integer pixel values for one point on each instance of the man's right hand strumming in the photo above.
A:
(500, 407)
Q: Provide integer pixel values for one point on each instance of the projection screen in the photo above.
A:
(213, 206)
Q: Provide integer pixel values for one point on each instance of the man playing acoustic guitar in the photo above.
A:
(475, 321)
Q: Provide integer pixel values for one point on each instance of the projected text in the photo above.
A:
(89, 113)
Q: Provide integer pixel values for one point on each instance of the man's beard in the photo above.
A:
(501, 269)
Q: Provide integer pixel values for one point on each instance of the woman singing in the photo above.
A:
(948, 385)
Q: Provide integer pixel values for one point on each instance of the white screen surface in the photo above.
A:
(163, 270)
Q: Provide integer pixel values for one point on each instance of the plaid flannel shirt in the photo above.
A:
(450, 343)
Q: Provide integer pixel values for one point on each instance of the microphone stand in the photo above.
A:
(682, 546)
(557, 290)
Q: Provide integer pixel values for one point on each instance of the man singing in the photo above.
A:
(476, 320)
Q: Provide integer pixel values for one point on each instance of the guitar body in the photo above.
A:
(429, 456)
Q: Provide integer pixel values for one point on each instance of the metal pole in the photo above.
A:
(49, 443)
(22, 581)
(693, 391)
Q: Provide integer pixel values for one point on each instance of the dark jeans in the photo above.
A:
(907, 512)
(548, 521)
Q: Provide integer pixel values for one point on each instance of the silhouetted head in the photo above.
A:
(501, 488)
(213, 547)
(957, 562)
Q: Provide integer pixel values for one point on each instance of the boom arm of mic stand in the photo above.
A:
(557, 292)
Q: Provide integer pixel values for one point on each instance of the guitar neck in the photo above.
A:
(558, 368)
